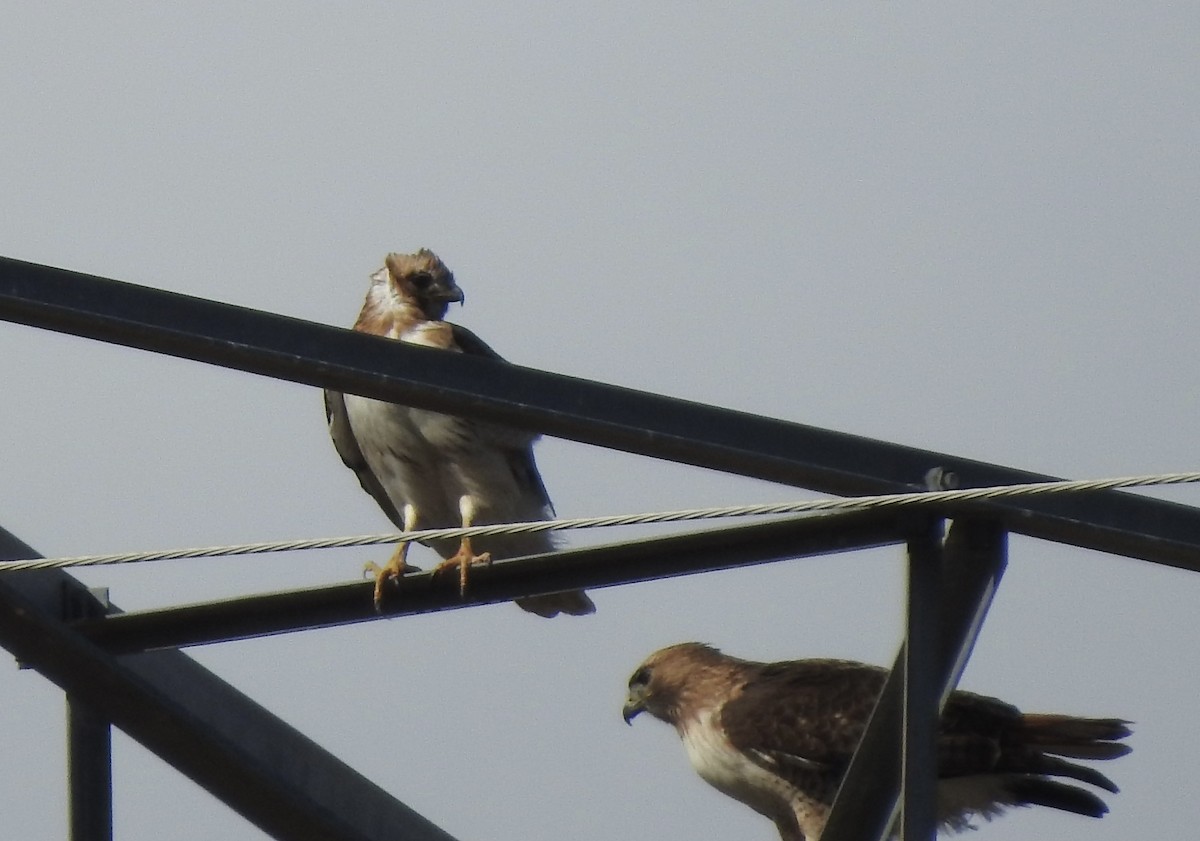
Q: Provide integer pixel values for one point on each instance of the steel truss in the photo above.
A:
(124, 669)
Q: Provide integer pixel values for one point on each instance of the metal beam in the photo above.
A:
(922, 688)
(597, 566)
(973, 563)
(89, 773)
(638, 422)
(259, 766)
(89, 745)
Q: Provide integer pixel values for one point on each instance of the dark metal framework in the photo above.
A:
(124, 669)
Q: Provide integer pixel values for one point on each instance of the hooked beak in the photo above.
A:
(450, 294)
(634, 704)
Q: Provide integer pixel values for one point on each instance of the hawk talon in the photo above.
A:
(464, 560)
(392, 571)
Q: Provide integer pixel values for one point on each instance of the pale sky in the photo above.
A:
(963, 228)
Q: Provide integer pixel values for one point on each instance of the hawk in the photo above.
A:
(779, 736)
(430, 470)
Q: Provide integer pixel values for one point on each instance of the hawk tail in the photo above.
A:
(1049, 738)
(572, 603)
(1039, 791)
(1078, 738)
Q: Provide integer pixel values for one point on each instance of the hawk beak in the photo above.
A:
(450, 294)
(632, 707)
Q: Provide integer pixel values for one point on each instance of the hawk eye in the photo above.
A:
(422, 280)
(640, 678)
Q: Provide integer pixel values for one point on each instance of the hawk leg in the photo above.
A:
(394, 569)
(465, 558)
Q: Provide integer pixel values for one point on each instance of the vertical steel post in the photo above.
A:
(974, 557)
(922, 686)
(89, 773)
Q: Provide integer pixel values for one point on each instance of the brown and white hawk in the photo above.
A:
(430, 470)
(779, 736)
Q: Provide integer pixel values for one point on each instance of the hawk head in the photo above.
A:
(671, 683)
(421, 279)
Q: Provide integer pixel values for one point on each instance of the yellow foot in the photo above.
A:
(464, 560)
(392, 572)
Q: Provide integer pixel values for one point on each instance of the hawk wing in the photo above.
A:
(461, 437)
(506, 437)
(803, 719)
(347, 447)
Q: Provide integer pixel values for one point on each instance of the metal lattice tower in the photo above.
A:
(124, 669)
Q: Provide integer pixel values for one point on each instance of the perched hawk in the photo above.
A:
(779, 736)
(429, 470)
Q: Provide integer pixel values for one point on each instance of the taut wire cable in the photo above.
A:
(856, 503)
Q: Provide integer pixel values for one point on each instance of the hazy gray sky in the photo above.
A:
(965, 228)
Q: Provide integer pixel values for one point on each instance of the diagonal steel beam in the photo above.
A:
(261, 767)
(597, 566)
(974, 558)
(638, 422)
